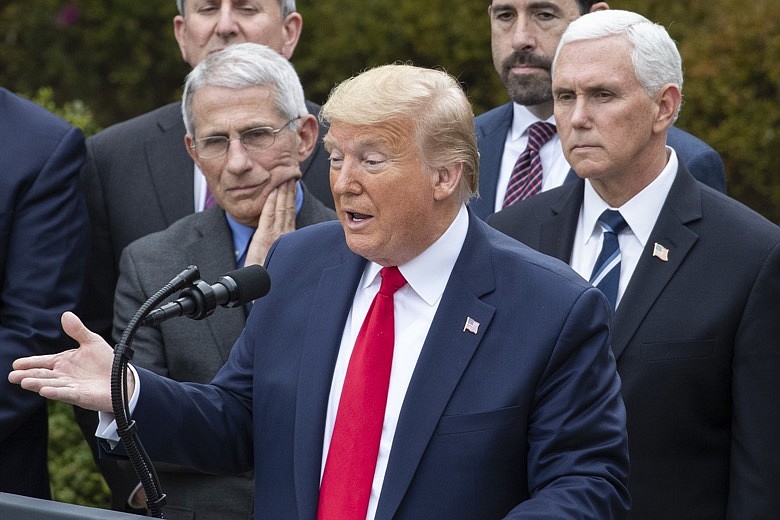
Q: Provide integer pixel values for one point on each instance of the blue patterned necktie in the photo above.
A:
(606, 272)
(526, 178)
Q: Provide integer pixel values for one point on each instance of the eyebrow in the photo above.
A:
(533, 5)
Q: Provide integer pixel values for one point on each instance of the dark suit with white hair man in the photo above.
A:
(696, 328)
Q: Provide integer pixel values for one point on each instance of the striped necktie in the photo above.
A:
(606, 272)
(526, 178)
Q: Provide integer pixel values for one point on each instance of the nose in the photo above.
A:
(238, 159)
(523, 37)
(343, 180)
(227, 26)
(580, 113)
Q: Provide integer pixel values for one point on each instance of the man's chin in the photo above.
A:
(529, 91)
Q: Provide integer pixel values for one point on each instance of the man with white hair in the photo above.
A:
(693, 274)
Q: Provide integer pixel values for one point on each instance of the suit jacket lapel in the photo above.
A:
(491, 145)
(682, 206)
(170, 166)
(212, 252)
(331, 302)
(445, 355)
(556, 234)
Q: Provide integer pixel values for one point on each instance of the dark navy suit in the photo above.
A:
(492, 126)
(696, 343)
(44, 236)
(522, 419)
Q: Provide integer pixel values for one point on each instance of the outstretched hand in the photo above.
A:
(79, 376)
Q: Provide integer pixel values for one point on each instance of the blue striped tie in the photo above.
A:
(606, 272)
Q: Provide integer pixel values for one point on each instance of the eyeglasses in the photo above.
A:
(253, 139)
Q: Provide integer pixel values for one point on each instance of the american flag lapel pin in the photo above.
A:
(660, 252)
(471, 325)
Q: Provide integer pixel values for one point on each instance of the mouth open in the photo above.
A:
(358, 217)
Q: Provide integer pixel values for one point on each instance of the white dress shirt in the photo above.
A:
(640, 213)
(414, 306)
(554, 165)
(198, 189)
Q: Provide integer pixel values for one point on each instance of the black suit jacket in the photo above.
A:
(697, 348)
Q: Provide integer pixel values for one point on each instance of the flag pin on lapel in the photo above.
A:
(471, 325)
(660, 252)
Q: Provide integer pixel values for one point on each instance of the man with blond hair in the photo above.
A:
(410, 362)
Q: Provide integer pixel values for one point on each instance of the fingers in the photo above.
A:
(46, 361)
(74, 328)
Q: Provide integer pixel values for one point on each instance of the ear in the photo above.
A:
(291, 33)
(188, 140)
(447, 181)
(308, 133)
(599, 6)
(180, 33)
(668, 103)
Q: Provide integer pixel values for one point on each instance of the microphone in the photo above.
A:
(231, 290)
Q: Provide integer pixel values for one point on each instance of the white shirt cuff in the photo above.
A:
(106, 429)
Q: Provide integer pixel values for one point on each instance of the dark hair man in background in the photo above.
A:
(520, 153)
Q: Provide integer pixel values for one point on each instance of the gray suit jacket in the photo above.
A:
(188, 350)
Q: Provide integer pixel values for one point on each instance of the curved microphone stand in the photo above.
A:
(126, 427)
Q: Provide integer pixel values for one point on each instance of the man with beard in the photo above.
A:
(520, 153)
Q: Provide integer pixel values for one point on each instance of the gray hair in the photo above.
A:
(246, 65)
(285, 6)
(655, 57)
(431, 99)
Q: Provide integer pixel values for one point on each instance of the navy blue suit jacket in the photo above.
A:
(696, 342)
(521, 419)
(492, 127)
(43, 244)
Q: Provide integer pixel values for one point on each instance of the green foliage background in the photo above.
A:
(102, 61)
(119, 57)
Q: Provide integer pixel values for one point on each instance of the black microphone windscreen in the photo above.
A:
(253, 282)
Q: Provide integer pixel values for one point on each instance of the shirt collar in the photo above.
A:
(522, 119)
(429, 272)
(640, 212)
(242, 234)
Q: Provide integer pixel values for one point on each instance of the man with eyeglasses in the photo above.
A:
(248, 131)
(138, 178)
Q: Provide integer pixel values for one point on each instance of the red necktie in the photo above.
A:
(349, 468)
(526, 178)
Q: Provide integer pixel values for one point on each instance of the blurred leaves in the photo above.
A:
(120, 59)
(117, 56)
(74, 476)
